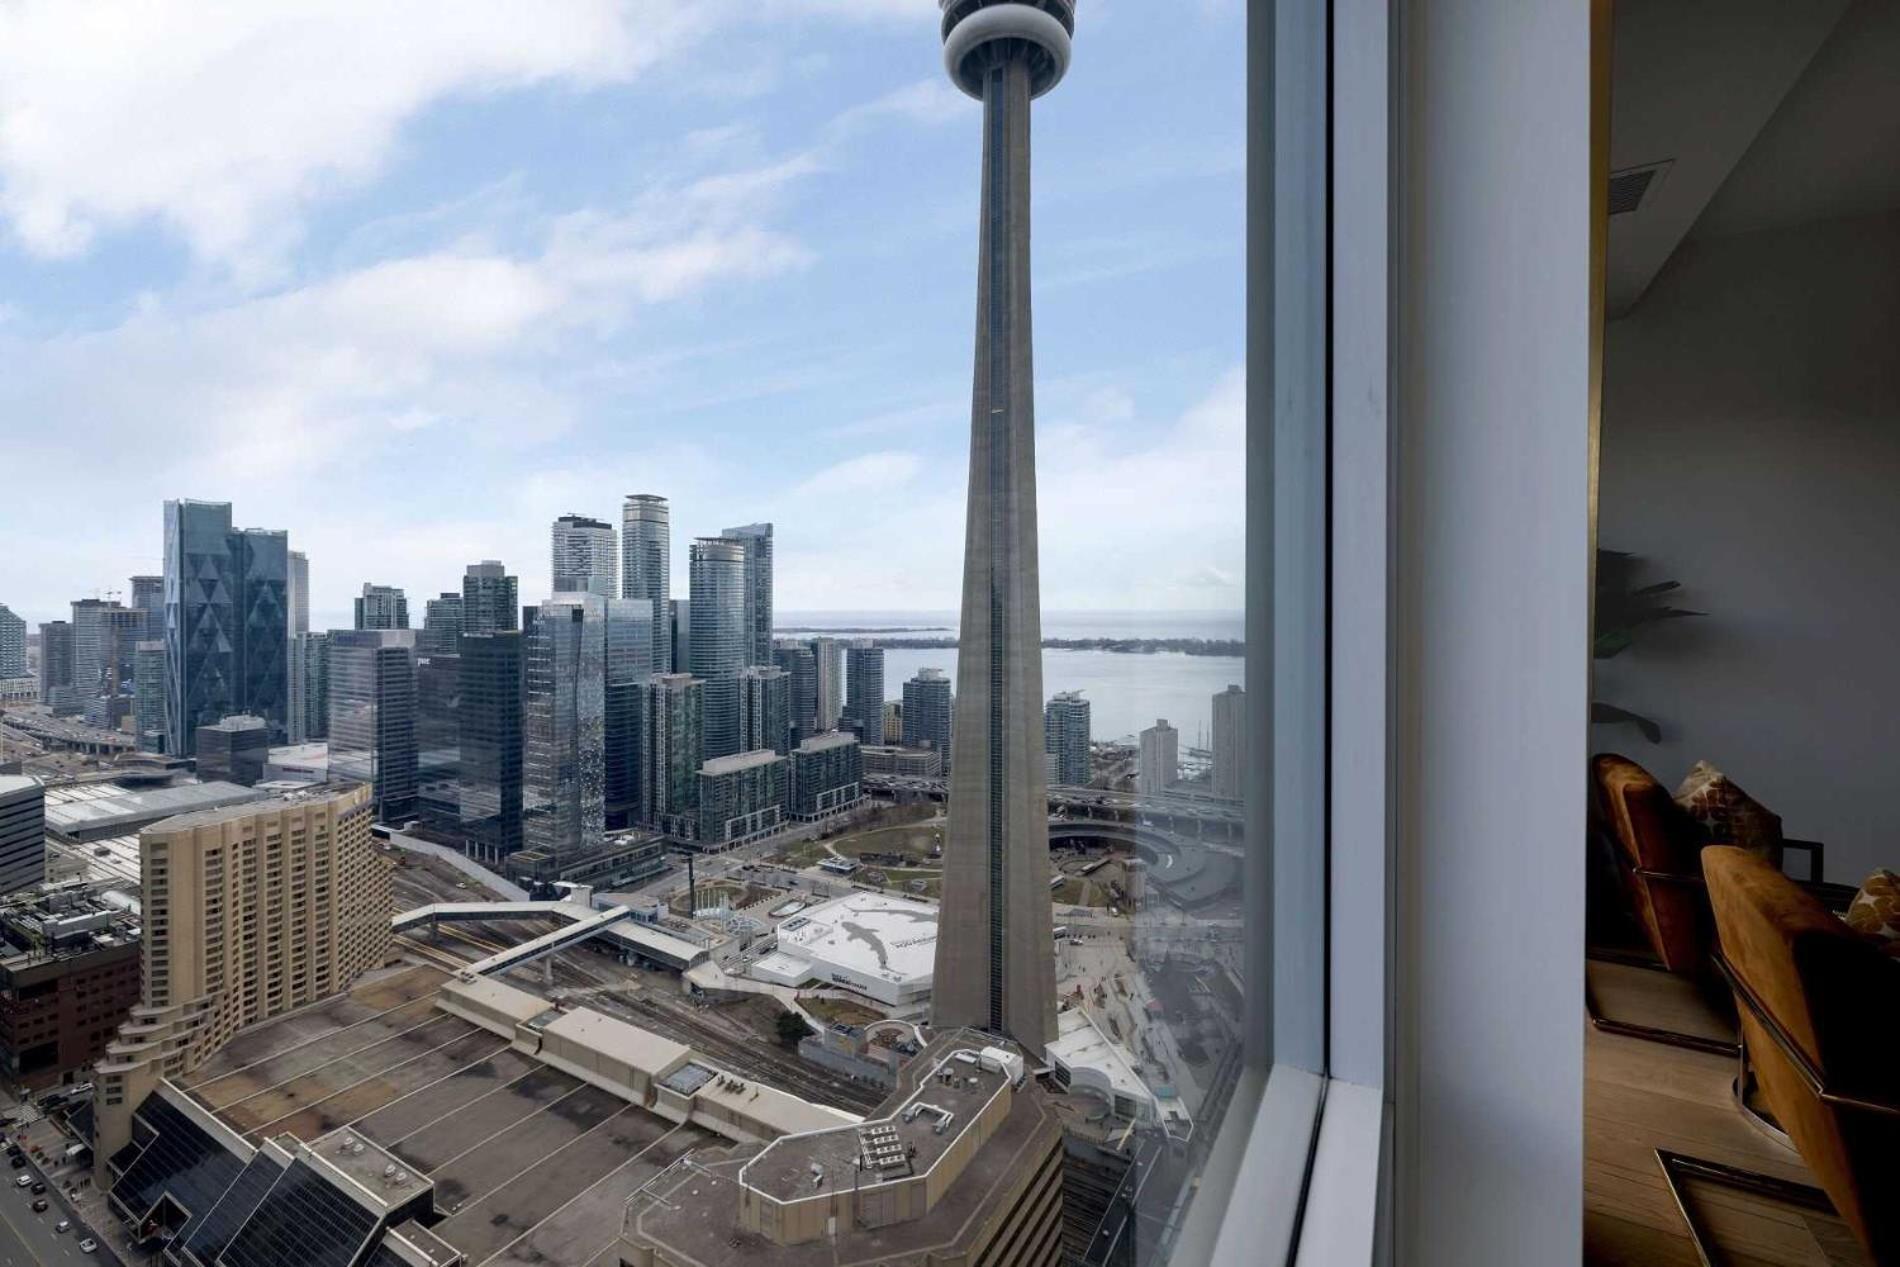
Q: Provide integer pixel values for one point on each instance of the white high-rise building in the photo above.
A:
(1160, 761)
(583, 557)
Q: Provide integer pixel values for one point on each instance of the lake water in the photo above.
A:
(1127, 693)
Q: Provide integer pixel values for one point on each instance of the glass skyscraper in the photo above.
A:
(491, 745)
(765, 709)
(828, 658)
(299, 592)
(309, 687)
(382, 607)
(564, 726)
(757, 539)
(491, 601)
(646, 543)
(226, 621)
(927, 712)
(12, 644)
(629, 665)
(441, 625)
(148, 596)
(582, 556)
(864, 690)
(671, 753)
(795, 657)
(1065, 733)
(373, 716)
(721, 639)
(439, 740)
(148, 694)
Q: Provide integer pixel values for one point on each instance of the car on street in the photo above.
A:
(64, 1225)
(39, 1205)
(88, 1245)
(23, 1181)
(19, 1163)
(39, 1189)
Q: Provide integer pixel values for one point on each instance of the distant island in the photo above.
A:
(1118, 646)
(863, 629)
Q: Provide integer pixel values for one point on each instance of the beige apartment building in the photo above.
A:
(251, 911)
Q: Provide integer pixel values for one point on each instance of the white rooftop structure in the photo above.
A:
(878, 944)
(1090, 1062)
(740, 761)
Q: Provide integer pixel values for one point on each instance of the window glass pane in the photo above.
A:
(799, 758)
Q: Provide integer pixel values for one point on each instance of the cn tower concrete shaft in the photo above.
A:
(995, 965)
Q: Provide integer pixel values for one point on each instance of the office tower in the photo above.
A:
(442, 623)
(720, 639)
(629, 665)
(795, 657)
(828, 662)
(583, 556)
(1230, 743)
(104, 635)
(564, 726)
(646, 562)
(299, 593)
(765, 709)
(22, 833)
(309, 687)
(57, 691)
(439, 741)
(250, 911)
(382, 607)
(148, 695)
(491, 745)
(1065, 728)
(741, 797)
(827, 776)
(226, 621)
(148, 596)
(233, 750)
(893, 722)
(864, 689)
(757, 539)
(12, 644)
(1159, 760)
(927, 712)
(994, 968)
(491, 601)
(373, 716)
(679, 621)
(672, 744)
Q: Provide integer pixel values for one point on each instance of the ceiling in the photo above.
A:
(1766, 112)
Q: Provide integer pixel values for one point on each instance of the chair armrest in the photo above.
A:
(1817, 855)
(1684, 878)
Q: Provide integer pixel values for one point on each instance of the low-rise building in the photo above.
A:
(234, 750)
(913, 763)
(878, 944)
(69, 974)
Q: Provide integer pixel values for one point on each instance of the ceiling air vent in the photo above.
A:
(1629, 187)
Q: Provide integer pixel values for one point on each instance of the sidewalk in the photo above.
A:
(45, 1146)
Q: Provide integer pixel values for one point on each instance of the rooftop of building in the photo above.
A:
(237, 723)
(316, 794)
(876, 934)
(692, 1211)
(827, 741)
(740, 761)
(62, 922)
(84, 810)
(12, 783)
(526, 1162)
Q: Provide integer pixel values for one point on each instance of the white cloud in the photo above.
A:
(874, 472)
(221, 117)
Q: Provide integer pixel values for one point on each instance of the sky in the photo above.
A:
(410, 280)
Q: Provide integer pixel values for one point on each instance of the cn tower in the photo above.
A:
(995, 964)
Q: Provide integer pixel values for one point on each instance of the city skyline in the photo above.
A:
(570, 270)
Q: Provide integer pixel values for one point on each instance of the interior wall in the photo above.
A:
(1751, 451)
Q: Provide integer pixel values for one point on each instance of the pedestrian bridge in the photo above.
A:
(614, 924)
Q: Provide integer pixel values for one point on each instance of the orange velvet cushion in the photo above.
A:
(1875, 912)
(1729, 816)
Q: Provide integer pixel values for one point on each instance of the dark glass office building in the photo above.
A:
(226, 621)
(864, 690)
(438, 742)
(491, 745)
(796, 658)
(373, 716)
(630, 651)
(720, 637)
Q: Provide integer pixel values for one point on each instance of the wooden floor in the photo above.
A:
(1641, 1096)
